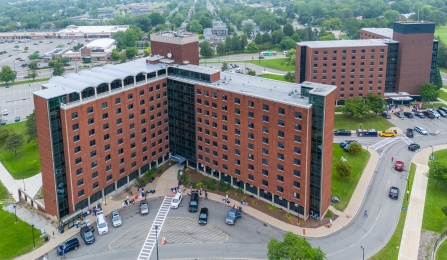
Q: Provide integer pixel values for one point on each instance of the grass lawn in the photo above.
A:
(442, 251)
(441, 31)
(432, 105)
(4, 193)
(16, 239)
(391, 249)
(27, 162)
(24, 82)
(443, 70)
(345, 122)
(276, 64)
(343, 188)
(272, 76)
(436, 198)
(339, 109)
(442, 95)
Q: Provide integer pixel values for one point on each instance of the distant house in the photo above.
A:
(217, 33)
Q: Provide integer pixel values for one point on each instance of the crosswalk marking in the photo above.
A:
(151, 238)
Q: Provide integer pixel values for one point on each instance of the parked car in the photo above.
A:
(442, 113)
(101, 224)
(443, 109)
(427, 114)
(3, 121)
(433, 112)
(68, 246)
(194, 202)
(342, 132)
(87, 235)
(408, 114)
(394, 193)
(386, 115)
(232, 216)
(410, 133)
(5, 112)
(346, 143)
(413, 147)
(176, 200)
(420, 130)
(420, 114)
(144, 208)
(203, 216)
(116, 218)
(399, 115)
(399, 166)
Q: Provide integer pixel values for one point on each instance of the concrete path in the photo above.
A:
(32, 184)
(409, 245)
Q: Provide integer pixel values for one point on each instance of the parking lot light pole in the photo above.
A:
(32, 230)
(363, 249)
(15, 211)
(408, 187)
(24, 188)
(156, 239)
(432, 157)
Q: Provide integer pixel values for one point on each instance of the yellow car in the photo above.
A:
(387, 133)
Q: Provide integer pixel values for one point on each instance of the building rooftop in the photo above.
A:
(278, 91)
(175, 34)
(342, 43)
(386, 32)
(100, 43)
(94, 29)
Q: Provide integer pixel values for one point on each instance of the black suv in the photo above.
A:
(203, 216)
(410, 133)
(394, 193)
(68, 246)
(413, 147)
(408, 114)
(342, 132)
(194, 202)
(87, 235)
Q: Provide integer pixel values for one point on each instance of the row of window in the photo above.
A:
(343, 64)
(344, 70)
(352, 51)
(352, 57)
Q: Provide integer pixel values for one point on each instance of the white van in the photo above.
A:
(101, 223)
(176, 201)
(284, 52)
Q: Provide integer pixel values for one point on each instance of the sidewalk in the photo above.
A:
(32, 184)
(162, 187)
(409, 245)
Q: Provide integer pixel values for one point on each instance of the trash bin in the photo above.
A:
(61, 230)
(47, 238)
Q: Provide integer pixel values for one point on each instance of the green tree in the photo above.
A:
(248, 28)
(33, 65)
(343, 169)
(391, 15)
(131, 52)
(438, 79)
(375, 102)
(221, 48)
(266, 38)
(428, 92)
(444, 210)
(78, 46)
(31, 129)
(147, 51)
(354, 148)
(287, 43)
(115, 54)
(252, 47)
(6, 74)
(288, 29)
(293, 247)
(194, 26)
(356, 108)
(206, 50)
(58, 66)
(14, 143)
(156, 19)
(251, 73)
(224, 66)
(438, 171)
(442, 54)
(26, 49)
(258, 38)
(32, 74)
(277, 36)
(290, 76)
(123, 57)
(4, 133)
(34, 56)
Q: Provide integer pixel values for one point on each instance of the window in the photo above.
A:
(251, 115)
(74, 115)
(237, 101)
(108, 157)
(296, 195)
(117, 101)
(265, 151)
(108, 168)
(251, 136)
(119, 121)
(251, 177)
(265, 172)
(297, 139)
(280, 167)
(109, 177)
(80, 182)
(77, 149)
(80, 193)
(237, 111)
(280, 122)
(280, 156)
(129, 97)
(265, 140)
(265, 119)
(104, 105)
(95, 185)
(251, 104)
(280, 134)
(296, 173)
(107, 147)
(265, 107)
(265, 162)
(105, 126)
(280, 178)
(89, 110)
(91, 121)
(94, 175)
(297, 150)
(79, 171)
(75, 127)
(280, 189)
(92, 143)
(296, 184)
(297, 127)
(251, 156)
(92, 154)
(78, 160)
(265, 183)
(76, 138)
(296, 161)
(281, 145)
(281, 111)
(91, 132)
(106, 137)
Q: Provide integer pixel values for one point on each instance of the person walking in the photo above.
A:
(366, 213)
(392, 158)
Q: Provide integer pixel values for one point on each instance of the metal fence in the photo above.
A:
(437, 244)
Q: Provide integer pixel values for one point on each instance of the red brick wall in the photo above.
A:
(414, 61)
(180, 53)
(272, 146)
(346, 89)
(369, 35)
(98, 124)
(215, 77)
(45, 153)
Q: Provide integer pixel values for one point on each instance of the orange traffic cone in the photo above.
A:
(163, 241)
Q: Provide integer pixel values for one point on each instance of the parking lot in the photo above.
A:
(181, 230)
(18, 100)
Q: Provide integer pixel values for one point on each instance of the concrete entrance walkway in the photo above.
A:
(32, 184)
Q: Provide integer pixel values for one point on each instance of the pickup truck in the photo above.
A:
(366, 132)
(144, 208)
(233, 215)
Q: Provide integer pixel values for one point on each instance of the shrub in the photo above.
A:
(287, 215)
(223, 186)
(210, 184)
(240, 191)
(271, 207)
(159, 170)
(329, 214)
(343, 169)
(354, 148)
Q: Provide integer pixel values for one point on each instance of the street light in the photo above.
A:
(408, 188)
(432, 157)
(32, 230)
(360, 125)
(15, 211)
(24, 188)
(363, 249)
(156, 239)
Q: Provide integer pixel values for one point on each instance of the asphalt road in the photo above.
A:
(186, 239)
